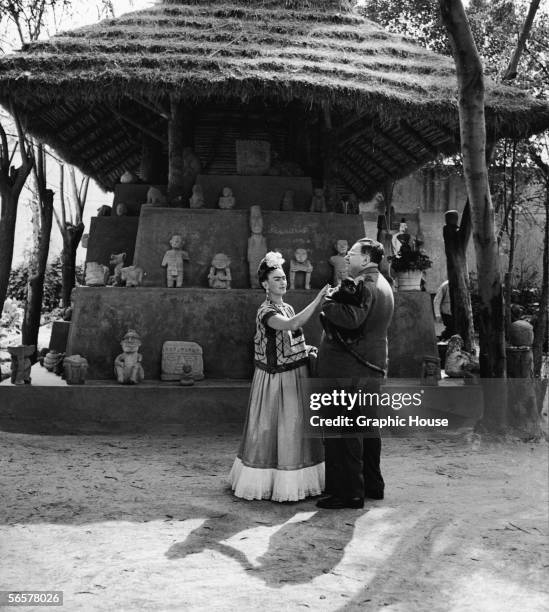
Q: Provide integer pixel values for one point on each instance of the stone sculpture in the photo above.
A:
(75, 369)
(197, 198)
(339, 263)
(155, 197)
(318, 201)
(430, 371)
(173, 262)
(301, 263)
(97, 275)
(227, 200)
(460, 363)
(117, 261)
(129, 177)
(127, 366)
(349, 205)
(220, 272)
(104, 211)
(176, 354)
(186, 379)
(132, 276)
(257, 245)
(121, 209)
(21, 363)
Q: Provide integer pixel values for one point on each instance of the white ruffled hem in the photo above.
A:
(276, 485)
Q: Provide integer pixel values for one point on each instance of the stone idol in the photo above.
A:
(97, 275)
(287, 200)
(197, 198)
(220, 272)
(127, 366)
(300, 264)
(21, 363)
(176, 354)
(155, 197)
(173, 262)
(257, 245)
(318, 201)
(227, 200)
(117, 261)
(339, 263)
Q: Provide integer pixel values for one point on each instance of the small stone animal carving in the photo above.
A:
(132, 276)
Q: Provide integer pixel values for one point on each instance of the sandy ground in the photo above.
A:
(143, 522)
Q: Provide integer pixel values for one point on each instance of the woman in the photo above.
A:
(275, 461)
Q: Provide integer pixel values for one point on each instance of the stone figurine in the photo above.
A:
(227, 200)
(287, 200)
(155, 197)
(349, 205)
(220, 272)
(257, 245)
(127, 366)
(132, 276)
(21, 363)
(121, 209)
(186, 379)
(197, 198)
(97, 275)
(300, 263)
(460, 363)
(318, 201)
(430, 371)
(104, 211)
(173, 262)
(117, 261)
(339, 263)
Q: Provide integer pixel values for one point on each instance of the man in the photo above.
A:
(443, 310)
(356, 317)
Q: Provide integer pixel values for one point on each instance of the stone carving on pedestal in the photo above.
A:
(104, 211)
(127, 366)
(257, 245)
(21, 363)
(219, 276)
(117, 261)
(197, 198)
(227, 200)
(155, 197)
(460, 363)
(132, 276)
(318, 201)
(121, 209)
(430, 371)
(339, 263)
(300, 263)
(173, 262)
(176, 354)
(129, 177)
(75, 369)
(97, 274)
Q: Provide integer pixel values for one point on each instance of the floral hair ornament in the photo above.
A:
(274, 259)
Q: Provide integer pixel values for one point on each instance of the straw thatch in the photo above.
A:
(94, 92)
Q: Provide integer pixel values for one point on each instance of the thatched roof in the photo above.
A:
(89, 92)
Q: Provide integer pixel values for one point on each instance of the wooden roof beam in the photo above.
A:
(394, 143)
(369, 159)
(355, 166)
(157, 109)
(350, 178)
(419, 137)
(376, 150)
(141, 128)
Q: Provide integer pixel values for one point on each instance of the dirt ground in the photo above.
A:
(146, 522)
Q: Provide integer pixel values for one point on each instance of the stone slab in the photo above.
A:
(177, 353)
(59, 336)
(412, 334)
(111, 235)
(207, 232)
(265, 191)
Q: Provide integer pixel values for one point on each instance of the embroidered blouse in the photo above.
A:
(277, 350)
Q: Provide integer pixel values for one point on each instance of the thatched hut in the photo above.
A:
(341, 103)
(335, 93)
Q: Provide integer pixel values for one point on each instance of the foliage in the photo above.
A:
(17, 289)
(12, 315)
(410, 259)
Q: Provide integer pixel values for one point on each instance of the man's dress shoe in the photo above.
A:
(336, 503)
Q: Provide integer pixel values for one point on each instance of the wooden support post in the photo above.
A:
(180, 178)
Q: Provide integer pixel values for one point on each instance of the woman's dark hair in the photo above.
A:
(270, 262)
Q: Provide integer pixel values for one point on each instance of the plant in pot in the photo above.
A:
(408, 267)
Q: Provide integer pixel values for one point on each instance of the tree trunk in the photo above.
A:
(71, 239)
(455, 246)
(540, 326)
(35, 288)
(473, 145)
(7, 234)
